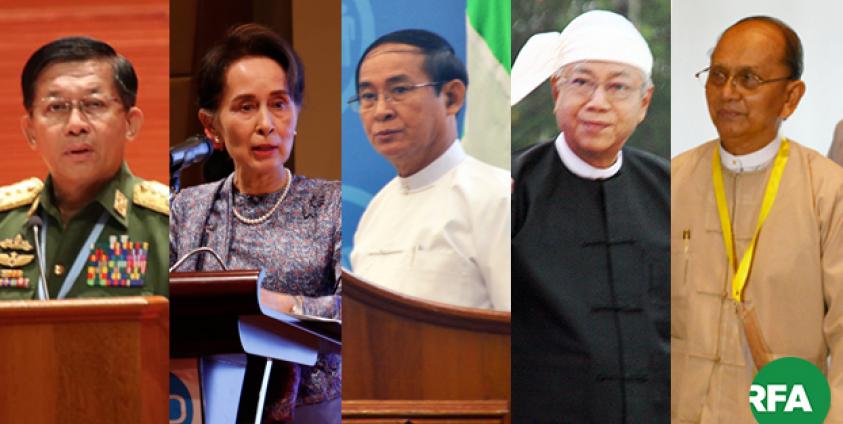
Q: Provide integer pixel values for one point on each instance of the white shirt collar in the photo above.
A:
(582, 168)
(750, 162)
(436, 169)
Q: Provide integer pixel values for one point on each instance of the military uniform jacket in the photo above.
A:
(128, 258)
(590, 291)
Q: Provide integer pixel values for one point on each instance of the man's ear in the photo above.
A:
(454, 92)
(645, 102)
(554, 89)
(793, 94)
(134, 118)
(28, 131)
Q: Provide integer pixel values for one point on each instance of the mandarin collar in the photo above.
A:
(750, 162)
(581, 168)
(447, 161)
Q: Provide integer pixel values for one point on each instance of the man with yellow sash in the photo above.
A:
(756, 235)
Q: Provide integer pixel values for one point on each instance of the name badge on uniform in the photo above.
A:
(117, 263)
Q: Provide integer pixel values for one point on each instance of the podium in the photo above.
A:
(410, 360)
(89, 361)
(205, 308)
(217, 312)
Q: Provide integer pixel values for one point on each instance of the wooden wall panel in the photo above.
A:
(316, 38)
(196, 26)
(138, 29)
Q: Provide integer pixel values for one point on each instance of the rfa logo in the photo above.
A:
(776, 394)
(789, 390)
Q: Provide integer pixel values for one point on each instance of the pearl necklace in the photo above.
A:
(258, 220)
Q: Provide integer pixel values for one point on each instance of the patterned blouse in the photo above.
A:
(298, 247)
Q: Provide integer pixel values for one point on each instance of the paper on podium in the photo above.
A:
(293, 338)
(328, 327)
(325, 327)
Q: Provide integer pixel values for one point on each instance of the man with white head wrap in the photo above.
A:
(590, 236)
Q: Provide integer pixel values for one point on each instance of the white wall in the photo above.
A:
(695, 26)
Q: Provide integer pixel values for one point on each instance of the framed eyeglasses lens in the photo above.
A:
(60, 108)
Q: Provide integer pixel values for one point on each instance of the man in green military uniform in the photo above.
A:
(102, 231)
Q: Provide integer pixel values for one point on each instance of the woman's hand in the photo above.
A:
(277, 301)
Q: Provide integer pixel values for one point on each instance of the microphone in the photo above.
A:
(36, 224)
(203, 249)
(196, 149)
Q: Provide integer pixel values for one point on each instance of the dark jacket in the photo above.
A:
(591, 291)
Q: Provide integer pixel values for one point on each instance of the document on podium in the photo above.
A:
(326, 327)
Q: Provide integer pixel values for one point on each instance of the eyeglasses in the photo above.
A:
(585, 87)
(744, 78)
(367, 98)
(58, 109)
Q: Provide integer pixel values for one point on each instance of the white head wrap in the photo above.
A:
(596, 35)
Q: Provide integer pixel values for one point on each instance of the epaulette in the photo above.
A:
(20, 193)
(152, 195)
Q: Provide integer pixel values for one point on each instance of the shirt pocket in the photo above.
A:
(448, 276)
(390, 258)
(18, 293)
(447, 262)
(680, 271)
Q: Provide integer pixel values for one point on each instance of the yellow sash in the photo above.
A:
(742, 271)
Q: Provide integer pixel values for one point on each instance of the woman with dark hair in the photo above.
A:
(250, 89)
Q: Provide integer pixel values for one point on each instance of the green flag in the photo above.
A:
(487, 124)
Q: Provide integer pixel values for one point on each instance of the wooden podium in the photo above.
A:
(84, 361)
(210, 308)
(217, 312)
(205, 310)
(411, 360)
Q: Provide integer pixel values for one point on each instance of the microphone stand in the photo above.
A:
(43, 294)
(204, 249)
